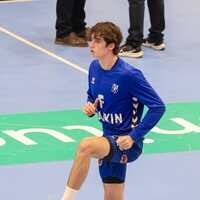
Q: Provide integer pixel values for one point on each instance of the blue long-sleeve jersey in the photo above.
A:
(122, 92)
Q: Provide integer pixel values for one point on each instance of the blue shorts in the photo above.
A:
(112, 168)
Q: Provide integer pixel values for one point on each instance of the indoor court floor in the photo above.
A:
(43, 89)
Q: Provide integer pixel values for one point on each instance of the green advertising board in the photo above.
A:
(54, 136)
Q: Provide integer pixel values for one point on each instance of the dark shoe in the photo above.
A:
(127, 50)
(147, 42)
(72, 40)
(85, 34)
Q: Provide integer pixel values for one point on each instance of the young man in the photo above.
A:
(117, 93)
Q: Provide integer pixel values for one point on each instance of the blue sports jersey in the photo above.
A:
(122, 92)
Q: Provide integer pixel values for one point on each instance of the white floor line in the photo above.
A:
(16, 1)
(43, 50)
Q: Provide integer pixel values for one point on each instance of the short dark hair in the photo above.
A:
(110, 32)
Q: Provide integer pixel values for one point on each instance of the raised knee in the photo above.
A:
(85, 147)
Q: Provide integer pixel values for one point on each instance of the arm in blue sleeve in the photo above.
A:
(89, 94)
(146, 95)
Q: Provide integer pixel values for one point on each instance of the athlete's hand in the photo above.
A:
(90, 108)
(124, 142)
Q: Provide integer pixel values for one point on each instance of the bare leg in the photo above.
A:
(113, 191)
(97, 147)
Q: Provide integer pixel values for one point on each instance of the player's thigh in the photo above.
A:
(114, 191)
(98, 147)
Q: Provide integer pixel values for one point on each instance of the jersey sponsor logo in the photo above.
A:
(110, 117)
(101, 100)
(114, 88)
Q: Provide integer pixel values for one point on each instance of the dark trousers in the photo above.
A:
(70, 17)
(136, 17)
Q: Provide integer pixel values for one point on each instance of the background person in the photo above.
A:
(70, 25)
(132, 47)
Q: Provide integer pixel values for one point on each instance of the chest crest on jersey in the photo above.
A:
(114, 88)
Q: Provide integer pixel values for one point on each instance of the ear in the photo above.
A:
(111, 46)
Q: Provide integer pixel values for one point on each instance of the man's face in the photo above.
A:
(98, 47)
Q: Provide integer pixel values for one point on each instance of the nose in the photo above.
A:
(91, 43)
